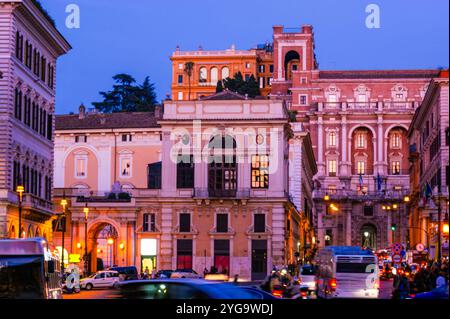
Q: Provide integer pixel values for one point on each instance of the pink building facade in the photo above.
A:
(358, 121)
(29, 47)
(229, 204)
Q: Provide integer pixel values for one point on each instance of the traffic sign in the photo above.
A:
(397, 259)
(397, 248)
(420, 247)
(74, 258)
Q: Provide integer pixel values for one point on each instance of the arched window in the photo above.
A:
(203, 75)
(225, 72)
(214, 75)
(222, 179)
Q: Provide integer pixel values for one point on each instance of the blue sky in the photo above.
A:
(138, 36)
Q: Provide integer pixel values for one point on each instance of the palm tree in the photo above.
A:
(188, 69)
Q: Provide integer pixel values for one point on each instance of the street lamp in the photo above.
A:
(20, 189)
(63, 224)
(86, 213)
(326, 198)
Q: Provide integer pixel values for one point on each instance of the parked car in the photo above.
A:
(185, 273)
(164, 273)
(258, 293)
(101, 279)
(126, 273)
(183, 289)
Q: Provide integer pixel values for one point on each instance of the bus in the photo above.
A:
(347, 272)
(28, 270)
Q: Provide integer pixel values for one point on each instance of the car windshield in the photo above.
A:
(308, 271)
(21, 278)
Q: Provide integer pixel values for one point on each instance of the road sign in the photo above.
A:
(397, 248)
(420, 247)
(397, 259)
(74, 258)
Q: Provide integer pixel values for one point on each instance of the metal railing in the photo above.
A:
(392, 171)
(339, 194)
(362, 106)
(365, 171)
(35, 202)
(242, 193)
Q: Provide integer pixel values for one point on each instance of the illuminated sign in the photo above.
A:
(74, 258)
(148, 247)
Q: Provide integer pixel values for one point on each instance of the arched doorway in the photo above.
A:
(102, 246)
(369, 236)
(291, 63)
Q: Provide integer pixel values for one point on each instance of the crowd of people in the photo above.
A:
(430, 277)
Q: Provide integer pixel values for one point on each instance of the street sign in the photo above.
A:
(397, 248)
(397, 259)
(420, 247)
(74, 258)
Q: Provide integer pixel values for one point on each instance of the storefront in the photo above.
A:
(148, 254)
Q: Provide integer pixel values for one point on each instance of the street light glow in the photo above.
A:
(366, 234)
(110, 241)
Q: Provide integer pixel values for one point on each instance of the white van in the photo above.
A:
(101, 279)
(347, 272)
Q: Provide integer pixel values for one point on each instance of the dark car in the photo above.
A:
(183, 289)
(258, 293)
(126, 273)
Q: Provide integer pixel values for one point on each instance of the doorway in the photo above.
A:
(259, 259)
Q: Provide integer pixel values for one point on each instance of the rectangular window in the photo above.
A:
(360, 140)
(222, 256)
(184, 253)
(18, 104)
(332, 98)
(185, 223)
(262, 68)
(271, 68)
(303, 99)
(332, 167)
(269, 81)
(43, 68)
(222, 223)
(259, 223)
(180, 96)
(149, 224)
(27, 118)
(19, 46)
(80, 139)
(332, 139)
(368, 210)
(395, 140)
(126, 138)
(180, 79)
(361, 167)
(28, 54)
(154, 176)
(125, 167)
(260, 171)
(247, 65)
(262, 83)
(49, 126)
(185, 172)
(395, 166)
(51, 70)
(81, 167)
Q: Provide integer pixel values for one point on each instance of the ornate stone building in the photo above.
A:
(29, 47)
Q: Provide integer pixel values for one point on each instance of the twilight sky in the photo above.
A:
(138, 36)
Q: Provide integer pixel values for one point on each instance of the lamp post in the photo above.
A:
(63, 224)
(86, 213)
(20, 189)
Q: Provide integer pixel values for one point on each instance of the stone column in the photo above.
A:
(348, 230)
(379, 162)
(320, 146)
(344, 165)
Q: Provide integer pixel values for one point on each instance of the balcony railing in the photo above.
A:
(362, 106)
(242, 193)
(398, 105)
(332, 105)
(36, 203)
(105, 197)
(343, 194)
(365, 171)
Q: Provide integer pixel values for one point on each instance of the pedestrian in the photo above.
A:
(236, 278)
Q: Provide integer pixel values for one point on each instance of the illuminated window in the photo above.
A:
(395, 165)
(396, 140)
(332, 167)
(81, 167)
(360, 140)
(332, 139)
(125, 167)
(225, 72)
(180, 66)
(260, 171)
(180, 96)
(214, 75)
(361, 167)
(203, 75)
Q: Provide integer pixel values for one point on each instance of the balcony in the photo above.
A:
(365, 171)
(362, 106)
(332, 105)
(401, 172)
(205, 193)
(398, 105)
(354, 195)
(88, 196)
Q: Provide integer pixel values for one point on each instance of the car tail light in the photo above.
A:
(333, 283)
(303, 293)
(277, 293)
(376, 285)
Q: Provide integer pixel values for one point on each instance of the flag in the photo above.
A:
(361, 180)
(428, 191)
(379, 182)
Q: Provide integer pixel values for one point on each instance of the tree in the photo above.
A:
(146, 97)
(241, 86)
(189, 69)
(127, 97)
(219, 87)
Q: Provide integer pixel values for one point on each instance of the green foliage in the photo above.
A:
(240, 85)
(126, 96)
(219, 87)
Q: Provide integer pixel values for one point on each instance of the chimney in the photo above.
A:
(81, 112)
(307, 29)
(277, 29)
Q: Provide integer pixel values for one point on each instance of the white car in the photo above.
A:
(101, 279)
(308, 277)
(185, 273)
